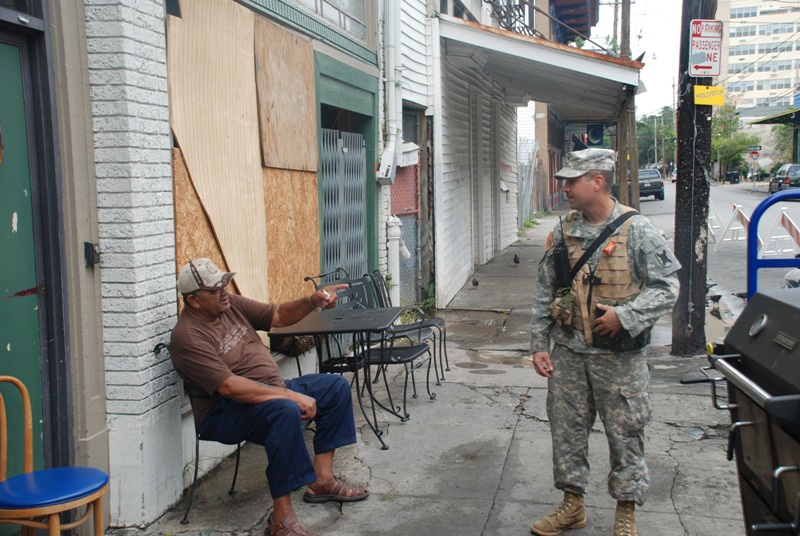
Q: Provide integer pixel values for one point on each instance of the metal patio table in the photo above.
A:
(361, 323)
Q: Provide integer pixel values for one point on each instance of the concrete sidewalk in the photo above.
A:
(476, 461)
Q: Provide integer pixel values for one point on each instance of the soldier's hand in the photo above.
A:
(542, 364)
(608, 323)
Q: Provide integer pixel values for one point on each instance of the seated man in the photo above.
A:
(239, 395)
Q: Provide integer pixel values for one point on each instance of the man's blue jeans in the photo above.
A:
(276, 424)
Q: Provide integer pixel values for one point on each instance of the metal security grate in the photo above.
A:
(409, 268)
(343, 181)
(405, 205)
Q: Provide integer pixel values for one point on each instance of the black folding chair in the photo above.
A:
(185, 520)
(427, 328)
(334, 277)
(386, 352)
(350, 354)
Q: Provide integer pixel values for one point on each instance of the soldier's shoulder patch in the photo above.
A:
(549, 242)
(664, 258)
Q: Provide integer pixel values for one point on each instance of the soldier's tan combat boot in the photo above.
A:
(570, 514)
(624, 523)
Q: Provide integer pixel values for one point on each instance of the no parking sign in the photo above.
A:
(705, 48)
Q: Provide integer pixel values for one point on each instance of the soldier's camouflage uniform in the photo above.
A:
(588, 380)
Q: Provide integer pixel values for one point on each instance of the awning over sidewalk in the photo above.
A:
(581, 86)
(790, 117)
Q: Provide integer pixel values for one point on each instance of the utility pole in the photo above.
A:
(674, 125)
(663, 151)
(625, 45)
(692, 192)
(655, 142)
(627, 148)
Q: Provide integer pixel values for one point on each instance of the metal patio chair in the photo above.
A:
(426, 327)
(348, 354)
(386, 351)
(185, 519)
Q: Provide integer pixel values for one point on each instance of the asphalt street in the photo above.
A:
(727, 242)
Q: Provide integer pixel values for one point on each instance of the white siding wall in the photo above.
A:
(130, 116)
(482, 181)
(465, 215)
(507, 154)
(413, 50)
(454, 212)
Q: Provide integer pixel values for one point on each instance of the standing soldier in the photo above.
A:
(607, 278)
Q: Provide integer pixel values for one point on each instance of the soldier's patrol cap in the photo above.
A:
(579, 163)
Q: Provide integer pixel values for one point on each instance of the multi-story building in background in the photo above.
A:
(760, 62)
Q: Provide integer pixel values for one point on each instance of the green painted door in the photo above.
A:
(20, 354)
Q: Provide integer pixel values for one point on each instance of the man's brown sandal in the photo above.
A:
(335, 490)
(288, 526)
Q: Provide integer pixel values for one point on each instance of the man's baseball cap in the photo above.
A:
(580, 163)
(202, 274)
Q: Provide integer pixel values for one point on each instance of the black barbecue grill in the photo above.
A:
(760, 363)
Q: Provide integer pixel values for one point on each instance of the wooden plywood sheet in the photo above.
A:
(290, 198)
(194, 235)
(215, 120)
(286, 98)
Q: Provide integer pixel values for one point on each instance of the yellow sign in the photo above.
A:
(711, 95)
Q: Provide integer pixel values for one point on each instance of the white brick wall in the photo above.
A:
(126, 46)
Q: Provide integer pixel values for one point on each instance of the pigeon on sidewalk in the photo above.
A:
(516, 259)
(474, 282)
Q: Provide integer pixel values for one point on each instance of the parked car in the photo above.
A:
(788, 176)
(650, 183)
(774, 184)
(732, 177)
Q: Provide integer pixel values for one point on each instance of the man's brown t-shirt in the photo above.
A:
(206, 353)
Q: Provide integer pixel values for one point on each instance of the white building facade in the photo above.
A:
(761, 53)
(760, 67)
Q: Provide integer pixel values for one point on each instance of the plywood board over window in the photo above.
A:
(286, 98)
(215, 120)
(292, 231)
(194, 235)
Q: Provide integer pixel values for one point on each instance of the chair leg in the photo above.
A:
(437, 349)
(410, 367)
(236, 469)
(428, 377)
(435, 366)
(443, 338)
(405, 388)
(185, 519)
(97, 514)
(54, 524)
(296, 356)
(395, 409)
(379, 369)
